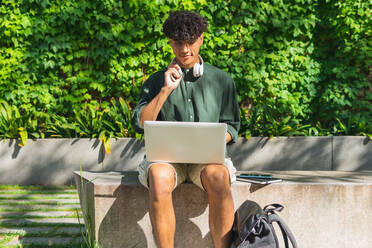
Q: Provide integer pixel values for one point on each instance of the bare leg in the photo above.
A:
(216, 181)
(163, 221)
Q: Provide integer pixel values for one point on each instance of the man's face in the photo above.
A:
(186, 54)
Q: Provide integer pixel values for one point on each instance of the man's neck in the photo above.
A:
(190, 66)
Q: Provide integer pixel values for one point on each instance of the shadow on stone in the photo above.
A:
(190, 202)
(282, 153)
(132, 148)
(127, 222)
(366, 140)
(17, 149)
(255, 187)
(101, 153)
(352, 153)
(120, 226)
(95, 144)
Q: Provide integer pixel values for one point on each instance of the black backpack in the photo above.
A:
(253, 227)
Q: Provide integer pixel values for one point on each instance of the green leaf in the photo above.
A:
(49, 64)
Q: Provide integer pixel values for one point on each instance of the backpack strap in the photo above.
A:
(272, 208)
(286, 232)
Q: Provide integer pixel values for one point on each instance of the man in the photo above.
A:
(188, 90)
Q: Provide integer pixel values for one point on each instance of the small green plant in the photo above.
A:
(88, 241)
(16, 124)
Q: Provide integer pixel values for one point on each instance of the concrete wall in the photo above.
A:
(51, 161)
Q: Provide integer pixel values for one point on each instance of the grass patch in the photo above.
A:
(20, 202)
(5, 238)
(35, 187)
(41, 192)
(34, 224)
(37, 209)
(38, 203)
(19, 217)
(48, 234)
(76, 244)
(38, 198)
(73, 245)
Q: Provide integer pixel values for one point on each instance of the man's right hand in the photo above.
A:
(172, 76)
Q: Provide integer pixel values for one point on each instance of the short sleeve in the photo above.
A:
(230, 113)
(148, 91)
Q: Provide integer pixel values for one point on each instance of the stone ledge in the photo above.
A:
(50, 161)
(317, 204)
(351, 153)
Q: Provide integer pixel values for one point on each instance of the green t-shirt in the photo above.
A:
(209, 98)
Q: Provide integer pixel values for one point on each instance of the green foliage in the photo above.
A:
(75, 68)
(15, 123)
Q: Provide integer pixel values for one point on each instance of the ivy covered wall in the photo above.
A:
(74, 68)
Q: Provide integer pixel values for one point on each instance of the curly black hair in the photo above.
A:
(184, 26)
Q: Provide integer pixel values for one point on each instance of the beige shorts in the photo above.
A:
(184, 172)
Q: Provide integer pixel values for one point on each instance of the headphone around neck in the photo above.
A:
(198, 68)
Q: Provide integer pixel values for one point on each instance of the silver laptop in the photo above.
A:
(185, 142)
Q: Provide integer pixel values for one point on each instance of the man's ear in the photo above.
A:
(201, 38)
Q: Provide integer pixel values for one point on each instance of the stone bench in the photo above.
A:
(323, 208)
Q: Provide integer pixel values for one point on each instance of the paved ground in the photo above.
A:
(37, 216)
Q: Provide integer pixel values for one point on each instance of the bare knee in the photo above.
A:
(161, 180)
(216, 179)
